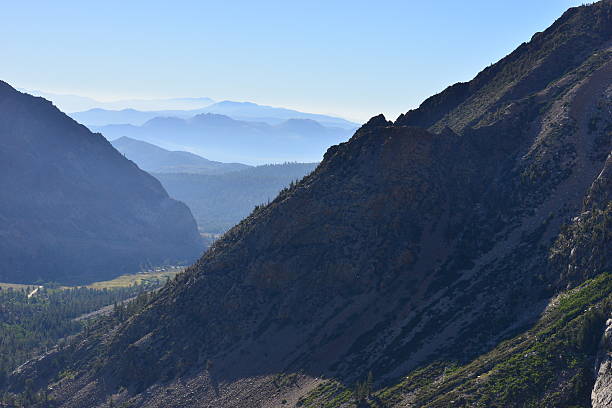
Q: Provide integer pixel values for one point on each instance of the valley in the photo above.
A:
(218, 194)
(155, 277)
(36, 318)
(183, 252)
(218, 202)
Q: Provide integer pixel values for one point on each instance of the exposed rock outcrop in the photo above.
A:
(602, 391)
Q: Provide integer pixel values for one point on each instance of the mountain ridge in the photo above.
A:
(245, 111)
(73, 207)
(222, 138)
(73, 103)
(152, 158)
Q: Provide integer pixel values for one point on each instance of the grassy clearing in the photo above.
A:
(160, 274)
(548, 365)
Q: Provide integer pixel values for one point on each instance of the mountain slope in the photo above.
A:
(226, 139)
(73, 209)
(152, 158)
(407, 247)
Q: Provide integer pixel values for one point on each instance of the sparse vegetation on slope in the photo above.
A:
(29, 325)
(550, 365)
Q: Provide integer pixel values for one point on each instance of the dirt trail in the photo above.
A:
(34, 292)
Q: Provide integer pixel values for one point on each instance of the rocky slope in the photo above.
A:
(459, 255)
(73, 209)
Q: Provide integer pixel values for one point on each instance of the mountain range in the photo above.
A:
(154, 159)
(220, 201)
(245, 111)
(77, 103)
(222, 138)
(218, 194)
(73, 209)
(456, 257)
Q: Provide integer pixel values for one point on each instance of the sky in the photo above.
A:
(354, 59)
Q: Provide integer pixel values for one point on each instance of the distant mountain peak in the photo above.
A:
(164, 121)
(77, 103)
(302, 125)
(220, 137)
(238, 103)
(212, 118)
(303, 120)
(155, 159)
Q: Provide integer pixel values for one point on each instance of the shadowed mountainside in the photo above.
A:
(73, 209)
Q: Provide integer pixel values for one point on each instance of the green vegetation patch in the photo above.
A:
(30, 325)
(329, 394)
(156, 277)
(528, 370)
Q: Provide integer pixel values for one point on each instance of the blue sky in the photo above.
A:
(351, 58)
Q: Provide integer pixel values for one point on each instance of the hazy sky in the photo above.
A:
(351, 58)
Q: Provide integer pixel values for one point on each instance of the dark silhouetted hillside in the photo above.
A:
(73, 209)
